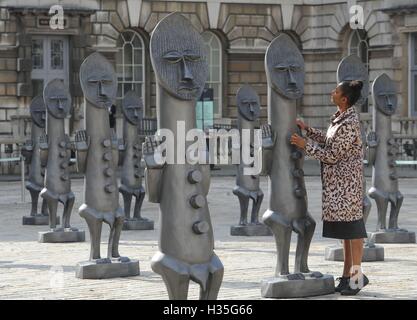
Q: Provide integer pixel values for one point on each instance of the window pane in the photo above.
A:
(57, 54)
(37, 54)
(363, 52)
(127, 36)
(127, 52)
(138, 89)
(215, 73)
(127, 87)
(120, 91)
(415, 95)
(136, 42)
(137, 73)
(128, 75)
(215, 57)
(415, 48)
(138, 56)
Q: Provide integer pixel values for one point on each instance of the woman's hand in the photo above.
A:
(298, 141)
(301, 124)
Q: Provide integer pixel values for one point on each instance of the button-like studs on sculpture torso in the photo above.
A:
(298, 173)
(108, 172)
(391, 163)
(63, 144)
(299, 192)
(62, 154)
(194, 176)
(393, 176)
(64, 177)
(201, 227)
(107, 156)
(391, 141)
(64, 165)
(106, 143)
(110, 188)
(296, 155)
(197, 201)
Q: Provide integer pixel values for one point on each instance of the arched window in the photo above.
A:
(358, 45)
(130, 60)
(214, 49)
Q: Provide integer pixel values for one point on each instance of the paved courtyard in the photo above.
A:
(32, 270)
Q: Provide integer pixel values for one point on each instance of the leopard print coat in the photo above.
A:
(340, 153)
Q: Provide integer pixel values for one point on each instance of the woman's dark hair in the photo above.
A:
(351, 90)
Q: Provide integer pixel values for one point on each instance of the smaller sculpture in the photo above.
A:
(247, 186)
(131, 179)
(97, 157)
(55, 152)
(30, 151)
(382, 154)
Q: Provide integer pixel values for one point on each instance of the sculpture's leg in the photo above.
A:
(94, 226)
(255, 209)
(176, 283)
(138, 204)
(305, 229)
(127, 200)
(281, 229)
(214, 280)
(382, 205)
(34, 196)
(44, 210)
(115, 231)
(395, 210)
(244, 204)
(367, 204)
(52, 207)
(66, 216)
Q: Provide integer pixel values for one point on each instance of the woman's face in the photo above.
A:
(337, 97)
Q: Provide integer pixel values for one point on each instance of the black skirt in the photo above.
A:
(344, 229)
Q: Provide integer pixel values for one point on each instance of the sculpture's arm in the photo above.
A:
(268, 142)
(315, 134)
(371, 144)
(115, 148)
(153, 170)
(82, 142)
(43, 149)
(27, 151)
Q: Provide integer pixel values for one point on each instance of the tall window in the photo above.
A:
(130, 64)
(214, 49)
(358, 45)
(413, 75)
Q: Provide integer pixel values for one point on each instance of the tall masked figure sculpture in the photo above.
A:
(131, 180)
(186, 244)
(30, 151)
(382, 154)
(55, 152)
(97, 157)
(283, 163)
(247, 186)
(351, 68)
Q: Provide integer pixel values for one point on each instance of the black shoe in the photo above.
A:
(353, 291)
(343, 283)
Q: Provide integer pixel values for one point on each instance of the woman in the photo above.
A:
(340, 153)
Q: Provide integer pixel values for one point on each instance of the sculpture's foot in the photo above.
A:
(58, 235)
(250, 230)
(297, 285)
(38, 220)
(107, 268)
(392, 236)
(371, 253)
(120, 259)
(138, 224)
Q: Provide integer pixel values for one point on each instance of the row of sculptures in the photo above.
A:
(186, 243)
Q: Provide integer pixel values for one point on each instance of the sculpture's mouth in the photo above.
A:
(188, 89)
(293, 90)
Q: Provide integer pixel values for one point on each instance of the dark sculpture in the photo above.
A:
(382, 155)
(55, 152)
(283, 164)
(30, 151)
(186, 235)
(247, 186)
(97, 157)
(352, 68)
(131, 179)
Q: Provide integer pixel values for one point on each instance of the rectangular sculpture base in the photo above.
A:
(138, 224)
(38, 220)
(114, 269)
(250, 230)
(284, 288)
(61, 236)
(392, 237)
(370, 254)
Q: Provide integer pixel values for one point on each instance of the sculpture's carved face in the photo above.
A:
(57, 99)
(38, 111)
(178, 57)
(248, 103)
(132, 107)
(98, 81)
(384, 95)
(284, 66)
(352, 68)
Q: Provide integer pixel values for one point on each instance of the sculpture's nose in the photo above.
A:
(251, 109)
(101, 92)
(186, 74)
(43, 116)
(388, 100)
(60, 106)
(291, 81)
(136, 113)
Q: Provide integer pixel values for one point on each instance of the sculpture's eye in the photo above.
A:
(245, 101)
(106, 82)
(296, 68)
(192, 57)
(173, 57)
(281, 68)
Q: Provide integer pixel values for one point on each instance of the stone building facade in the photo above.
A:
(237, 33)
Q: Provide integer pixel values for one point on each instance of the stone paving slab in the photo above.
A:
(32, 270)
